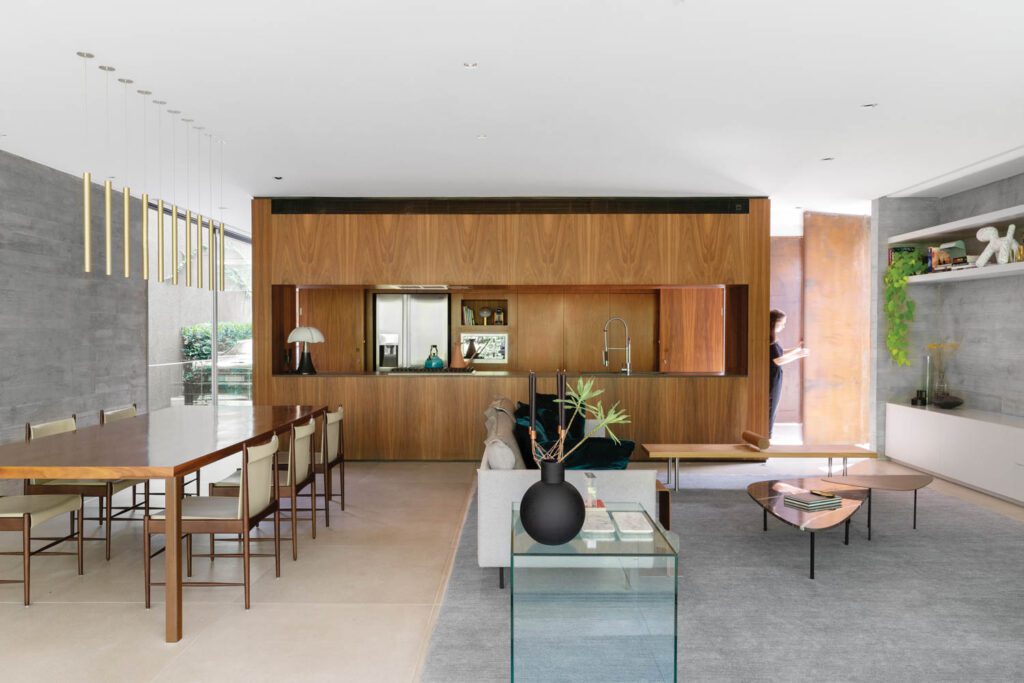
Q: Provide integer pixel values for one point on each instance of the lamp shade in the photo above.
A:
(310, 335)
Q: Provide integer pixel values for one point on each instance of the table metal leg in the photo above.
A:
(172, 557)
(812, 554)
(870, 496)
(844, 465)
(677, 473)
(846, 541)
(915, 508)
(765, 511)
(830, 467)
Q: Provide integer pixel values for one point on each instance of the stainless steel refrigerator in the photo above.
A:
(417, 321)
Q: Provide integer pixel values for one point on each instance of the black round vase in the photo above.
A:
(552, 510)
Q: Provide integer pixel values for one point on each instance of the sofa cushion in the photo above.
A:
(500, 456)
(601, 453)
(500, 425)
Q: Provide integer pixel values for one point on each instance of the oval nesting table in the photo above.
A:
(770, 495)
(885, 482)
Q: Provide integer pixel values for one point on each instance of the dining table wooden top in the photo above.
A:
(170, 442)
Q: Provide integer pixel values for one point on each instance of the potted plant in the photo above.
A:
(552, 510)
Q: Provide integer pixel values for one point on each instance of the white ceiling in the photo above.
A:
(580, 97)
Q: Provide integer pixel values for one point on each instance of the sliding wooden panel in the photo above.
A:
(540, 333)
(338, 313)
(692, 329)
(787, 287)
(836, 328)
(583, 342)
(640, 311)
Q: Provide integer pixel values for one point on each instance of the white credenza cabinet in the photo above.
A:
(982, 450)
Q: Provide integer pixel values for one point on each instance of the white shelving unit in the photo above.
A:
(976, 448)
(991, 270)
(965, 227)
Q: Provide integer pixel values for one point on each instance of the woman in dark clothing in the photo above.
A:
(779, 357)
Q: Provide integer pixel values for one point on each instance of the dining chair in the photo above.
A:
(24, 513)
(102, 490)
(219, 515)
(331, 454)
(113, 415)
(293, 477)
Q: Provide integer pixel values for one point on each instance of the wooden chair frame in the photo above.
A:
(291, 491)
(24, 525)
(325, 468)
(242, 526)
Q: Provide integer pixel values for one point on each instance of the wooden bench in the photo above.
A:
(753, 448)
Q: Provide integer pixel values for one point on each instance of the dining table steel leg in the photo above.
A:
(80, 538)
(172, 558)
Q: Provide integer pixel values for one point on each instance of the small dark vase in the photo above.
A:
(552, 510)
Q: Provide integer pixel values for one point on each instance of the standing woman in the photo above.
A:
(779, 357)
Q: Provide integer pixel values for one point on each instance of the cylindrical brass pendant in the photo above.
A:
(126, 196)
(160, 240)
(145, 236)
(188, 247)
(87, 219)
(213, 269)
(199, 251)
(220, 253)
(174, 244)
(108, 224)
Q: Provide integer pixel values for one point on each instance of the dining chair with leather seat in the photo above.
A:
(102, 490)
(24, 513)
(257, 501)
(331, 454)
(293, 477)
(113, 415)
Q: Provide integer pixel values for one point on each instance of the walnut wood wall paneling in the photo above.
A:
(339, 314)
(640, 311)
(836, 328)
(693, 329)
(540, 337)
(599, 250)
(448, 411)
(284, 319)
(787, 287)
(583, 340)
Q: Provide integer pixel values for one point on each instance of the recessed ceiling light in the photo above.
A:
(126, 81)
(107, 68)
(798, 207)
(828, 158)
(277, 177)
(146, 92)
(200, 128)
(160, 102)
(869, 105)
(187, 120)
(85, 55)
(222, 208)
(482, 136)
(470, 65)
(173, 111)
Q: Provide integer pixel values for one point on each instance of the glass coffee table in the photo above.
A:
(602, 607)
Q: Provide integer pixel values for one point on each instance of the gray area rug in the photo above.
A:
(942, 603)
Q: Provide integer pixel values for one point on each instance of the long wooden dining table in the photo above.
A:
(167, 444)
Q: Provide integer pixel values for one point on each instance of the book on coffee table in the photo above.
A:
(812, 501)
(597, 522)
(632, 523)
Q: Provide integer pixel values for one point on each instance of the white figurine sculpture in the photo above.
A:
(1002, 247)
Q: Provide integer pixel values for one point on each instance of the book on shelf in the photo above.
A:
(467, 316)
(812, 502)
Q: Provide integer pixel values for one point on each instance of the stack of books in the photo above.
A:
(812, 502)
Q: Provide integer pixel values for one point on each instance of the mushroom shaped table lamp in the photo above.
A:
(307, 336)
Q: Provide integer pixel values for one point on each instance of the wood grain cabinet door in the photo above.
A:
(692, 329)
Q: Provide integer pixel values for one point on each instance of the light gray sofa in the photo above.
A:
(497, 489)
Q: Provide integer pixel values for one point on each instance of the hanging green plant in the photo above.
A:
(899, 307)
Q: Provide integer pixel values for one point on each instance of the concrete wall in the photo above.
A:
(985, 316)
(71, 342)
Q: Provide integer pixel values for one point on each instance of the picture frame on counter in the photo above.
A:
(491, 348)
